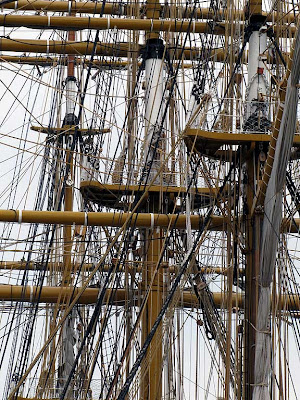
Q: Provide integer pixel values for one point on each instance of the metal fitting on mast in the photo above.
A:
(71, 92)
(154, 49)
(154, 68)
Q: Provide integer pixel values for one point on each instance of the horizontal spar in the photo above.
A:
(113, 219)
(115, 8)
(65, 47)
(215, 55)
(117, 219)
(133, 266)
(136, 24)
(53, 61)
(84, 48)
(50, 294)
(80, 23)
(121, 8)
(66, 6)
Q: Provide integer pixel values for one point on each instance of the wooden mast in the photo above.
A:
(70, 121)
(151, 379)
(256, 89)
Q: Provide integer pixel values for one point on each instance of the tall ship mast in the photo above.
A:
(150, 200)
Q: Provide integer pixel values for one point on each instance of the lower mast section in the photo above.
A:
(256, 122)
(152, 277)
(68, 336)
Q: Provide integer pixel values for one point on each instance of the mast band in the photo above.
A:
(20, 217)
(108, 22)
(16, 4)
(85, 219)
(31, 293)
(70, 7)
(47, 46)
(152, 220)
(49, 19)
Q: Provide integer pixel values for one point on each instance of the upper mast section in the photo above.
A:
(256, 116)
(154, 70)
